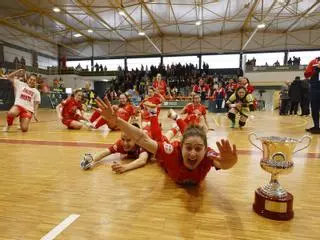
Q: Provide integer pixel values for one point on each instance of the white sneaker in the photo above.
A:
(87, 123)
(172, 114)
(5, 128)
(87, 161)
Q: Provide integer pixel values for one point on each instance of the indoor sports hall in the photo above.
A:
(92, 97)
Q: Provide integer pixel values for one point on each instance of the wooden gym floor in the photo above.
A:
(42, 185)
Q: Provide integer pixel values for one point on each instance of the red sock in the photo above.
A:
(181, 124)
(100, 123)
(10, 119)
(155, 129)
(95, 115)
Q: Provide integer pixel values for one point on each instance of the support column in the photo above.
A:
(240, 60)
(200, 61)
(285, 60)
(125, 64)
(92, 57)
(34, 59)
(59, 58)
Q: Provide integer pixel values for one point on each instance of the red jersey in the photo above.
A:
(231, 87)
(219, 93)
(70, 107)
(155, 99)
(170, 158)
(125, 111)
(249, 87)
(161, 86)
(117, 147)
(203, 88)
(310, 70)
(194, 113)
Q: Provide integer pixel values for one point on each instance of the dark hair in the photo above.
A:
(33, 74)
(195, 130)
(75, 92)
(241, 87)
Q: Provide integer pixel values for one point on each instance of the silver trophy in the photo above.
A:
(273, 200)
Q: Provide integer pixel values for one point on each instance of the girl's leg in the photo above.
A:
(24, 124)
(100, 123)
(155, 129)
(13, 112)
(25, 119)
(171, 133)
(242, 120)
(95, 115)
(232, 117)
(75, 125)
(181, 123)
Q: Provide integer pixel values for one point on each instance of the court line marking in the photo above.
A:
(60, 228)
(216, 122)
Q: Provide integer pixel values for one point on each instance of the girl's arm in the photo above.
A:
(139, 162)
(184, 110)
(206, 122)
(138, 135)
(99, 156)
(36, 106)
(227, 157)
(11, 76)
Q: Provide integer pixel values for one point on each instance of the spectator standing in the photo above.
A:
(313, 72)
(294, 94)
(284, 98)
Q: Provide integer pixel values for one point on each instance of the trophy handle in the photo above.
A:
(301, 140)
(249, 138)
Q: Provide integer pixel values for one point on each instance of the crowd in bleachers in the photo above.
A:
(294, 61)
(181, 81)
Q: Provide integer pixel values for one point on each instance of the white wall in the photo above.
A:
(272, 78)
(74, 81)
(44, 62)
(11, 53)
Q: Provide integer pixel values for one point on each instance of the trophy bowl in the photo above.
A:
(273, 201)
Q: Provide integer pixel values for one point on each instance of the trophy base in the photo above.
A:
(272, 207)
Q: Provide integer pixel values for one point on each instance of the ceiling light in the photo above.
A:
(198, 23)
(141, 33)
(90, 31)
(77, 35)
(122, 13)
(262, 25)
(55, 9)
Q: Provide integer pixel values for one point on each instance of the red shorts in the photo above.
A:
(192, 120)
(24, 113)
(67, 121)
